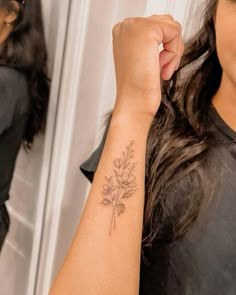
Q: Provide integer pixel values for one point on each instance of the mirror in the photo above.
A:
(21, 249)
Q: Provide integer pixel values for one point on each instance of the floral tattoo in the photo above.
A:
(121, 185)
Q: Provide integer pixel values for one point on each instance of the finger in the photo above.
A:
(116, 28)
(170, 58)
(181, 52)
(168, 70)
(166, 58)
(169, 61)
(157, 17)
(166, 33)
(169, 35)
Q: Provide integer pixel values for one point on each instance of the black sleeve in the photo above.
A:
(89, 166)
(10, 142)
(14, 102)
(4, 224)
(13, 96)
(7, 107)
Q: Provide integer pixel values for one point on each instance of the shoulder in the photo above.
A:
(14, 96)
(11, 75)
(13, 89)
(12, 82)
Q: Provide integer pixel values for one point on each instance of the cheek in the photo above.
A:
(226, 48)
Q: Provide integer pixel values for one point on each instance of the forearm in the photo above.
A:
(104, 257)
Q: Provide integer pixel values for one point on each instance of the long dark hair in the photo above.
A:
(180, 139)
(25, 49)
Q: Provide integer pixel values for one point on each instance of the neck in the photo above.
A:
(4, 34)
(225, 101)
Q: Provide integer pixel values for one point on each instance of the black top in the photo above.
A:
(203, 262)
(14, 106)
(14, 101)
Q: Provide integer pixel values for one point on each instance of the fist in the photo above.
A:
(139, 65)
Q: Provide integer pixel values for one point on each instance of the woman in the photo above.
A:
(183, 144)
(24, 88)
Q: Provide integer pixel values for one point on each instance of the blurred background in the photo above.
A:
(48, 192)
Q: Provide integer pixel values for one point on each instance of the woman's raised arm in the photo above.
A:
(104, 257)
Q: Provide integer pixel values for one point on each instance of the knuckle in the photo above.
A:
(178, 25)
(176, 30)
(129, 20)
(154, 15)
(133, 22)
(115, 28)
(168, 16)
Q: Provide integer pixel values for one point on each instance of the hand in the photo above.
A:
(138, 64)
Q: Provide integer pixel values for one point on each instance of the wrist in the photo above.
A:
(139, 120)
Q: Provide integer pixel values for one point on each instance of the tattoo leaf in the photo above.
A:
(106, 201)
(120, 208)
(128, 194)
(126, 165)
(118, 163)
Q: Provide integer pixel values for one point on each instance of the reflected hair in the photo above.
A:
(25, 50)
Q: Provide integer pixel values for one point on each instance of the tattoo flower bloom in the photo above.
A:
(121, 185)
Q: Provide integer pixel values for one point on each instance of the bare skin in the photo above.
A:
(225, 24)
(106, 249)
(7, 19)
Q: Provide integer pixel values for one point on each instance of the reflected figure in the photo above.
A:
(24, 89)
